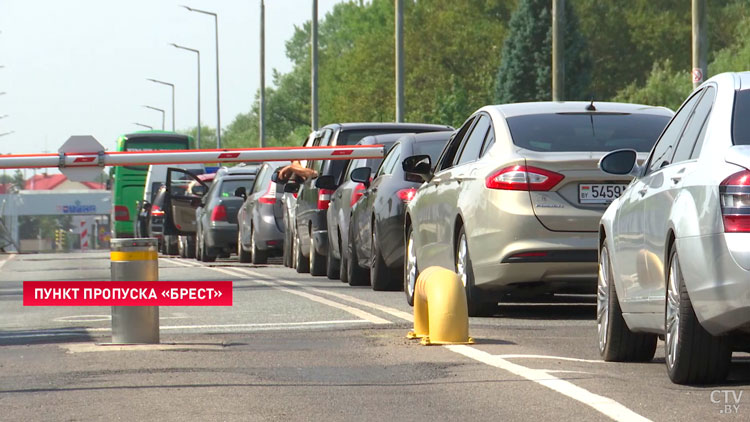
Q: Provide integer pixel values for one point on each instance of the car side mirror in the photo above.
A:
(361, 175)
(326, 182)
(419, 166)
(200, 190)
(241, 192)
(620, 162)
(291, 187)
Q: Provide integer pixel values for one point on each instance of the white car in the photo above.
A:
(674, 256)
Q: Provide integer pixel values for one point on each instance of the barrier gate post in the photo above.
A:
(135, 260)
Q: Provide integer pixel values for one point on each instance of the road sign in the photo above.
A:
(82, 157)
(697, 75)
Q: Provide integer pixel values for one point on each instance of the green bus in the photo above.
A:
(128, 182)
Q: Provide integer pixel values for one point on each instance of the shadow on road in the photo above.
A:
(44, 336)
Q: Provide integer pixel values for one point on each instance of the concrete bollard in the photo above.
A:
(440, 312)
(135, 260)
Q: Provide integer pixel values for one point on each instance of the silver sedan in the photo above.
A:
(516, 197)
(674, 256)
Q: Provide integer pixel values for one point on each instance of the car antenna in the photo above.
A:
(591, 107)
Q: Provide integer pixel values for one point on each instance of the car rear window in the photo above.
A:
(433, 149)
(228, 187)
(741, 118)
(563, 132)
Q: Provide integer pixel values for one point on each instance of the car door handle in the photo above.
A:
(374, 190)
(643, 191)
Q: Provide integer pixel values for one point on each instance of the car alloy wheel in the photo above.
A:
(602, 299)
(410, 268)
(461, 258)
(672, 314)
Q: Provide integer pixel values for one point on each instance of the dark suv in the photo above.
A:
(311, 239)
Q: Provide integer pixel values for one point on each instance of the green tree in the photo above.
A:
(525, 72)
(664, 86)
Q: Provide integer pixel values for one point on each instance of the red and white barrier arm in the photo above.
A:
(135, 158)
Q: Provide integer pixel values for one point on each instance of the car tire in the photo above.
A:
(333, 265)
(171, 246)
(197, 246)
(344, 261)
(476, 306)
(257, 256)
(242, 255)
(411, 269)
(692, 354)
(190, 246)
(381, 277)
(317, 261)
(616, 342)
(181, 247)
(287, 247)
(356, 275)
(204, 256)
(301, 264)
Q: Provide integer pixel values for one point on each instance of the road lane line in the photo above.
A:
(180, 263)
(549, 357)
(352, 310)
(5, 261)
(604, 405)
(388, 310)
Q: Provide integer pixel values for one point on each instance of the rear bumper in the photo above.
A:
(221, 236)
(719, 287)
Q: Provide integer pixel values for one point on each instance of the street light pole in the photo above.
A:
(399, 61)
(314, 70)
(171, 86)
(162, 114)
(142, 125)
(198, 141)
(700, 42)
(218, 106)
(262, 114)
(558, 50)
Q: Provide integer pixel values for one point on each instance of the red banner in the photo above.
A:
(127, 293)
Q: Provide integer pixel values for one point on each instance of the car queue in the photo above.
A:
(646, 208)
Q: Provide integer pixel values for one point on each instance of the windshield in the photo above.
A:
(566, 132)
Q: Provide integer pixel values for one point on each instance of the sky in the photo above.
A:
(79, 67)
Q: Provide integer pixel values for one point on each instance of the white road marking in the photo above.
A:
(388, 310)
(224, 327)
(549, 357)
(5, 261)
(354, 311)
(604, 405)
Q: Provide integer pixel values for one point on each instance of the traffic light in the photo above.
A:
(60, 238)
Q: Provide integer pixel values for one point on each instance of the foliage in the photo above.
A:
(525, 72)
(664, 86)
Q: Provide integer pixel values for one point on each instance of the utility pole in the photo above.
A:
(399, 61)
(262, 74)
(558, 50)
(314, 70)
(700, 42)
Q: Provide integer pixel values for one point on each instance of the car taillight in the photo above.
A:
(156, 211)
(324, 198)
(270, 196)
(357, 193)
(122, 213)
(407, 195)
(219, 213)
(734, 193)
(523, 178)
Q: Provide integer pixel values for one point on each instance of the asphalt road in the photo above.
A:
(296, 347)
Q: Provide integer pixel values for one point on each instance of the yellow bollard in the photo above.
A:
(440, 312)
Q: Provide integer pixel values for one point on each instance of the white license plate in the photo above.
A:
(599, 193)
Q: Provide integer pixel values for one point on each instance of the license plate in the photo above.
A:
(601, 193)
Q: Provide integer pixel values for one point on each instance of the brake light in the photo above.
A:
(270, 196)
(407, 195)
(734, 193)
(523, 178)
(219, 213)
(324, 198)
(122, 213)
(156, 211)
(357, 193)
